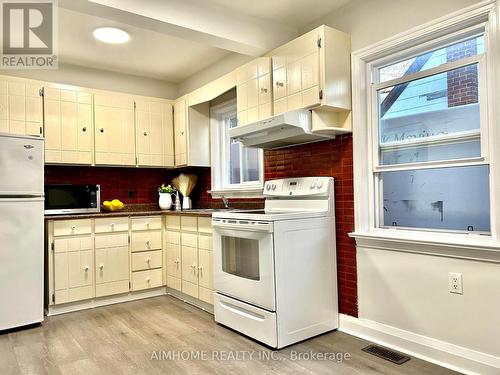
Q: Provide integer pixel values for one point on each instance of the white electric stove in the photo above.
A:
(275, 269)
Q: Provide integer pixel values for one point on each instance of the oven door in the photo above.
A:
(244, 261)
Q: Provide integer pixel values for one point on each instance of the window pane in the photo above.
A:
(234, 163)
(250, 164)
(444, 198)
(454, 52)
(430, 119)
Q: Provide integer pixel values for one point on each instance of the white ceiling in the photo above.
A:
(148, 53)
(174, 39)
(295, 13)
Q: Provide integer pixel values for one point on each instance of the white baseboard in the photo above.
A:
(104, 301)
(429, 349)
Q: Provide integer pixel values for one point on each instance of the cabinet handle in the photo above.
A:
(84, 129)
(101, 266)
(182, 133)
(176, 261)
(148, 244)
(279, 84)
(263, 90)
(73, 227)
(112, 225)
(147, 225)
(148, 280)
(145, 134)
(86, 268)
(102, 130)
(147, 260)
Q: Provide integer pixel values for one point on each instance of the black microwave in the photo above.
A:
(72, 199)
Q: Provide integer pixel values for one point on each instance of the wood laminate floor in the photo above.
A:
(137, 338)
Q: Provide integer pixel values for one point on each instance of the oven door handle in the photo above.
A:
(258, 227)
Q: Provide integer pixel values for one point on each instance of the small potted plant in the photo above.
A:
(165, 200)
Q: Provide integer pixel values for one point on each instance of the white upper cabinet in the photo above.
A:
(154, 133)
(21, 106)
(253, 91)
(114, 129)
(191, 133)
(68, 125)
(313, 71)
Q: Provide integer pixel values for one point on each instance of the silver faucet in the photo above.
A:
(225, 201)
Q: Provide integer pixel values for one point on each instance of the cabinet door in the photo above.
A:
(253, 93)
(294, 78)
(114, 129)
(20, 107)
(205, 269)
(112, 270)
(190, 264)
(173, 260)
(68, 130)
(264, 89)
(154, 133)
(180, 136)
(279, 83)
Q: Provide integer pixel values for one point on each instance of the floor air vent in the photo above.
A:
(387, 354)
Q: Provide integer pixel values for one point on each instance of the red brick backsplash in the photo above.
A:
(329, 158)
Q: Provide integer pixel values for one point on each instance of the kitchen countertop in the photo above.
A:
(134, 210)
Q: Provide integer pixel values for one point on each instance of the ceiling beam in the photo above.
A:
(198, 21)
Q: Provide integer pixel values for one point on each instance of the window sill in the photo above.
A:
(463, 246)
(237, 193)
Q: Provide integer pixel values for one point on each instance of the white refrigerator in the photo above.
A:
(21, 231)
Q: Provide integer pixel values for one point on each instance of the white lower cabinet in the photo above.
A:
(115, 257)
(188, 247)
(146, 253)
(73, 268)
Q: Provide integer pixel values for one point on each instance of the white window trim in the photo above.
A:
(481, 15)
(219, 189)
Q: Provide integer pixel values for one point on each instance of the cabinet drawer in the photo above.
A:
(62, 245)
(146, 223)
(116, 224)
(71, 227)
(173, 222)
(205, 242)
(173, 237)
(189, 239)
(149, 240)
(147, 279)
(111, 240)
(205, 224)
(146, 260)
(189, 223)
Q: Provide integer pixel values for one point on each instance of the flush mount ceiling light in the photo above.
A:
(111, 35)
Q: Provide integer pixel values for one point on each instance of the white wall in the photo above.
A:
(410, 292)
(100, 79)
(369, 21)
(220, 68)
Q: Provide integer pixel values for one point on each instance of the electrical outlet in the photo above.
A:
(455, 282)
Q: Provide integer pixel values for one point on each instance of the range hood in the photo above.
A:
(287, 129)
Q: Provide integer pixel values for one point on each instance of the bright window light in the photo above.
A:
(111, 35)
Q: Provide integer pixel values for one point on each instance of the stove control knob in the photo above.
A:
(313, 185)
(320, 185)
(268, 187)
(274, 187)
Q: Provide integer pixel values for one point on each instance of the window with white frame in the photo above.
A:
(235, 168)
(430, 137)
